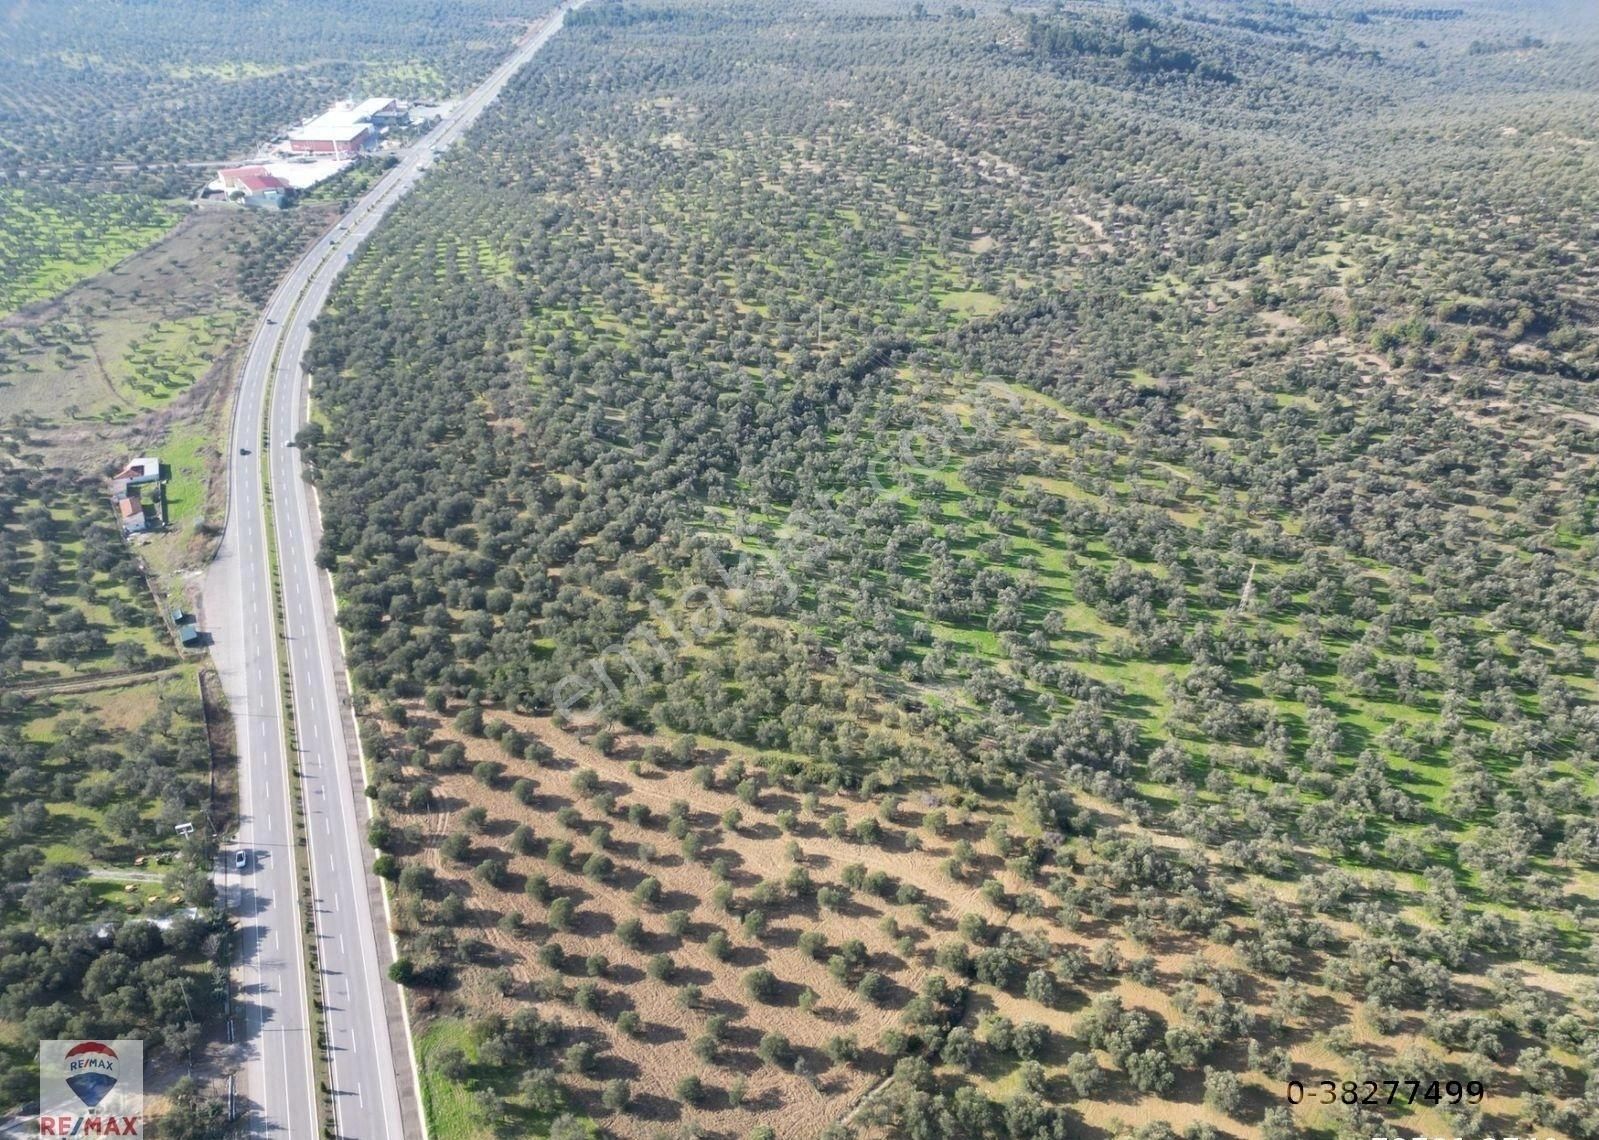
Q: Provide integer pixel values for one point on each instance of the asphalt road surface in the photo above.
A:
(370, 1065)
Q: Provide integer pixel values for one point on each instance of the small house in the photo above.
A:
(130, 513)
(254, 186)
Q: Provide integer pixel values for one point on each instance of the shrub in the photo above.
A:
(774, 1049)
(1150, 1071)
(491, 872)
(1223, 1091)
(872, 987)
(760, 984)
(616, 1095)
(449, 1061)
(648, 892)
(842, 1049)
(579, 1058)
(415, 879)
(1084, 1073)
(1030, 1040)
(755, 924)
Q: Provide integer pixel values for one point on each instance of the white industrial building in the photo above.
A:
(346, 129)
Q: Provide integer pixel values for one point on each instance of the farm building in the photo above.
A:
(254, 186)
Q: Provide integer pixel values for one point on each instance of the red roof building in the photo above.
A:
(253, 185)
(131, 513)
(251, 179)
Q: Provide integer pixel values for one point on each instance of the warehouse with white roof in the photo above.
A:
(346, 129)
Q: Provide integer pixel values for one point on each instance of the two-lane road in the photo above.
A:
(370, 1065)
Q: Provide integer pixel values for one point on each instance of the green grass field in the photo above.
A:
(188, 452)
(166, 360)
(52, 239)
(451, 1106)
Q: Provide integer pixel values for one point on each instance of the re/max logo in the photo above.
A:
(89, 1126)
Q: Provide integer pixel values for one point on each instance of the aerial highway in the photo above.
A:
(370, 1068)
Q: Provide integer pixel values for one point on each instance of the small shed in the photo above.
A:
(189, 635)
(142, 471)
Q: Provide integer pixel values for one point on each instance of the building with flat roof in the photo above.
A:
(379, 112)
(345, 129)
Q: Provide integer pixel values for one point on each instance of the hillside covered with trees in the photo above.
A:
(1164, 433)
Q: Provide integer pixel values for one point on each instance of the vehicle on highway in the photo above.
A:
(241, 859)
(244, 451)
